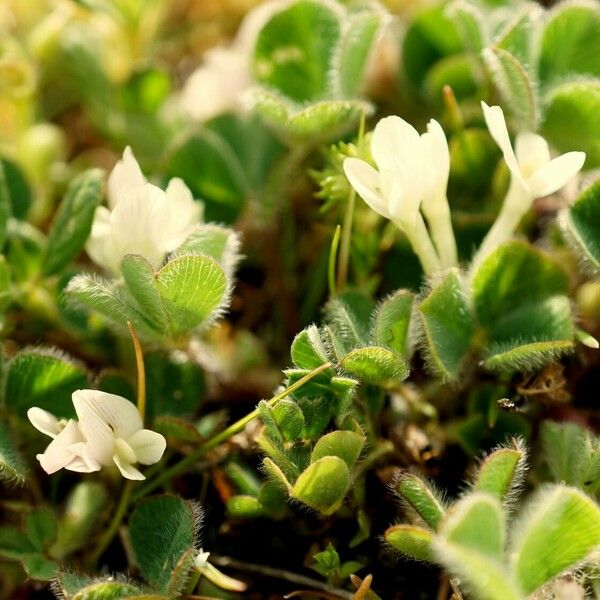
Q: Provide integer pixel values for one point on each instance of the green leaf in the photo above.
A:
(514, 275)
(217, 242)
(327, 562)
(356, 46)
(72, 222)
(276, 475)
(44, 378)
(315, 123)
(295, 50)
(107, 590)
(14, 544)
(462, 72)
(39, 567)
(175, 385)
(469, 22)
(346, 445)
(83, 509)
(570, 118)
(582, 223)
(5, 205)
(289, 418)
(570, 41)
(210, 168)
(515, 86)
(41, 527)
(193, 289)
(501, 471)
(431, 36)
(448, 324)
(308, 351)
(15, 190)
(420, 498)
(104, 297)
(162, 529)
(531, 336)
(12, 466)
(392, 322)
(141, 283)
(323, 485)
(181, 574)
(24, 250)
(519, 36)
(483, 575)
(349, 318)
(375, 365)
(561, 528)
(468, 518)
(572, 454)
(411, 540)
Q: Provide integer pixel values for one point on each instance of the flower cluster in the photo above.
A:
(412, 176)
(109, 431)
(140, 218)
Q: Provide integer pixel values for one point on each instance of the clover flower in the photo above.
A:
(534, 174)
(411, 175)
(140, 217)
(109, 431)
(219, 84)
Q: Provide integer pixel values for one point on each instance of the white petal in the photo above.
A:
(138, 224)
(128, 470)
(44, 421)
(367, 182)
(81, 466)
(532, 152)
(494, 119)
(81, 451)
(184, 213)
(558, 172)
(148, 446)
(436, 158)
(58, 454)
(397, 144)
(125, 177)
(99, 244)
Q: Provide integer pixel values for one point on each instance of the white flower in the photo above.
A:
(394, 189)
(530, 163)
(219, 84)
(66, 451)
(114, 433)
(110, 431)
(533, 175)
(412, 173)
(140, 218)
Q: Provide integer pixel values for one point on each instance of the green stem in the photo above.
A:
(183, 465)
(117, 519)
(342, 275)
(332, 261)
(346, 238)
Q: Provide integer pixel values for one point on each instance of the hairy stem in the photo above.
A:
(115, 523)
